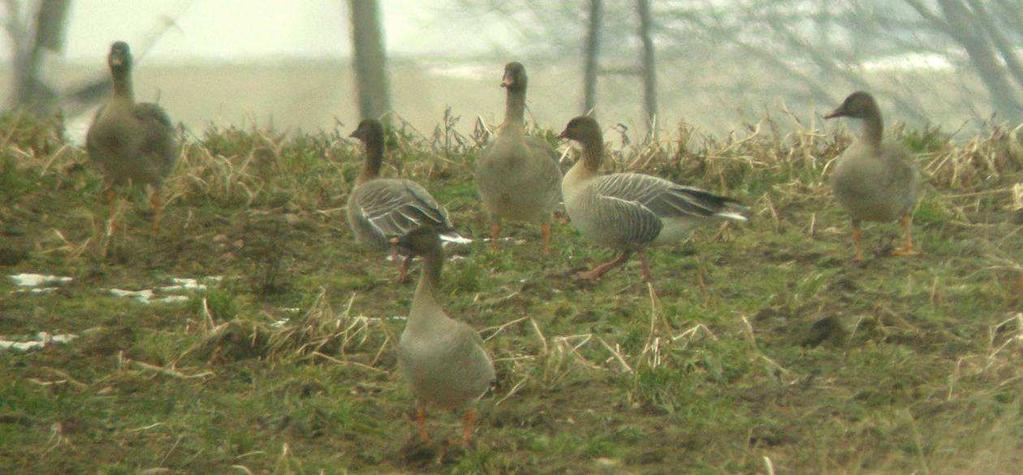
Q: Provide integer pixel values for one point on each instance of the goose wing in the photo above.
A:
(667, 199)
(394, 207)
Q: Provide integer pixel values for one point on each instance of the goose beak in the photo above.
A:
(835, 113)
(563, 135)
(116, 60)
(506, 81)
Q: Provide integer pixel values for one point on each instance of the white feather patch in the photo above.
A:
(731, 215)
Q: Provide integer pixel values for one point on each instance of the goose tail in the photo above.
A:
(452, 236)
(733, 210)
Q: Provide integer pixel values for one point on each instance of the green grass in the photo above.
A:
(764, 341)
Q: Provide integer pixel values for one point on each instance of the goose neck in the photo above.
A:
(374, 160)
(515, 108)
(123, 85)
(592, 154)
(424, 303)
(873, 129)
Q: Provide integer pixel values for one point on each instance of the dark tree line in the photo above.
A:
(818, 47)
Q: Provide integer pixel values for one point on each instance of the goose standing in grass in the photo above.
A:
(629, 211)
(518, 176)
(443, 359)
(874, 181)
(132, 143)
(380, 209)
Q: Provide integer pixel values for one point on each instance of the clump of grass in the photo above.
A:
(323, 334)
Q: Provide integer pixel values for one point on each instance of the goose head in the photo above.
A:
(119, 58)
(859, 105)
(515, 79)
(421, 241)
(583, 129)
(369, 131)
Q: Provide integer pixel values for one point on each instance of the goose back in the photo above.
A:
(445, 363)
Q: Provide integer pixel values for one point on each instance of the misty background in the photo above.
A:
(718, 65)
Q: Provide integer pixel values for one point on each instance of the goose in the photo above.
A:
(629, 211)
(380, 209)
(874, 181)
(517, 176)
(443, 360)
(131, 143)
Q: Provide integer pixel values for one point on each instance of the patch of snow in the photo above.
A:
(36, 290)
(37, 280)
(180, 285)
(184, 284)
(39, 341)
(143, 296)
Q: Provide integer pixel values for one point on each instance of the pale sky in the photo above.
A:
(241, 30)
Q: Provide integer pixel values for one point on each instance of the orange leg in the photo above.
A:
(468, 424)
(602, 269)
(857, 235)
(545, 231)
(109, 194)
(645, 267)
(421, 423)
(403, 269)
(495, 234)
(115, 210)
(907, 232)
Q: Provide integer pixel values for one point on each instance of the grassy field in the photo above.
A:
(765, 348)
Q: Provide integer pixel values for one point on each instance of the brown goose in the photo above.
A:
(443, 360)
(380, 209)
(874, 181)
(630, 211)
(132, 143)
(518, 176)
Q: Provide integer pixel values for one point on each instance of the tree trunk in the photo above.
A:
(592, 51)
(1005, 47)
(649, 66)
(30, 93)
(370, 57)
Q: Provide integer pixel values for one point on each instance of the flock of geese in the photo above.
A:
(518, 179)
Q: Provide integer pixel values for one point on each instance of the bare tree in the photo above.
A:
(649, 65)
(591, 54)
(967, 25)
(29, 40)
(371, 80)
